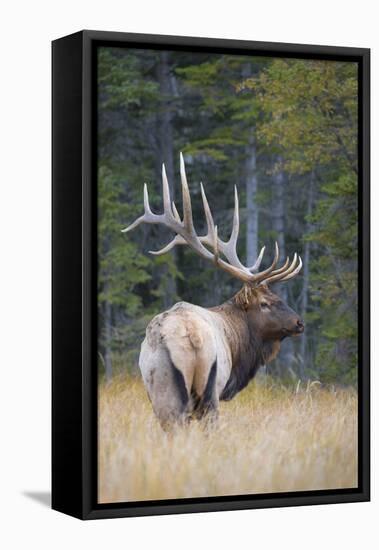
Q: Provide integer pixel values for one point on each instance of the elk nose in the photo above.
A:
(300, 325)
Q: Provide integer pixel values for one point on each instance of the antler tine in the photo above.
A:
(166, 192)
(229, 249)
(170, 216)
(176, 240)
(281, 269)
(147, 217)
(258, 261)
(207, 210)
(176, 213)
(260, 277)
(208, 239)
(133, 225)
(280, 274)
(146, 200)
(236, 220)
(187, 206)
(294, 272)
(185, 230)
(215, 245)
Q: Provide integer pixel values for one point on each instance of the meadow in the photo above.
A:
(269, 438)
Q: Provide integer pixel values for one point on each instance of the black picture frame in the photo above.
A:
(74, 269)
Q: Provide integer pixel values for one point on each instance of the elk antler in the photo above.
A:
(186, 235)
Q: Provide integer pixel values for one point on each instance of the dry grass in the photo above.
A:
(269, 439)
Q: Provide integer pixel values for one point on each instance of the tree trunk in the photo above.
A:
(278, 218)
(251, 185)
(278, 223)
(167, 88)
(306, 259)
(251, 202)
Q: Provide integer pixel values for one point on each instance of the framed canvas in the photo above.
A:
(229, 368)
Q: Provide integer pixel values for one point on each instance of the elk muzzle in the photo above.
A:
(296, 328)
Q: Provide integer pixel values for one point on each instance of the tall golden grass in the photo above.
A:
(268, 439)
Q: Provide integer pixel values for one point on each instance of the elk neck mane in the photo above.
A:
(248, 350)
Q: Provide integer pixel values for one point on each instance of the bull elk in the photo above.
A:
(192, 357)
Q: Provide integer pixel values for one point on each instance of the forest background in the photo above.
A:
(285, 132)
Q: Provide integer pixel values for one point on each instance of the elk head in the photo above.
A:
(268, 314)
(266, 311)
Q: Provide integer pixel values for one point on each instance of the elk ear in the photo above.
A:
(245, 297)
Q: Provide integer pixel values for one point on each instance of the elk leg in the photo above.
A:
(207, 405)
(166, 389)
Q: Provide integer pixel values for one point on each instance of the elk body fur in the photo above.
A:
(193, 357)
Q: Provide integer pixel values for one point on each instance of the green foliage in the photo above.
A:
(310, 111)
(120, 77)
(310, 116)
(122, 266)
(226, 114)
(334, 278)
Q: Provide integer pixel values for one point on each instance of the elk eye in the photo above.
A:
(264, 305)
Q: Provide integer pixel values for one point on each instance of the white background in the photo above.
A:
(26, 31)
